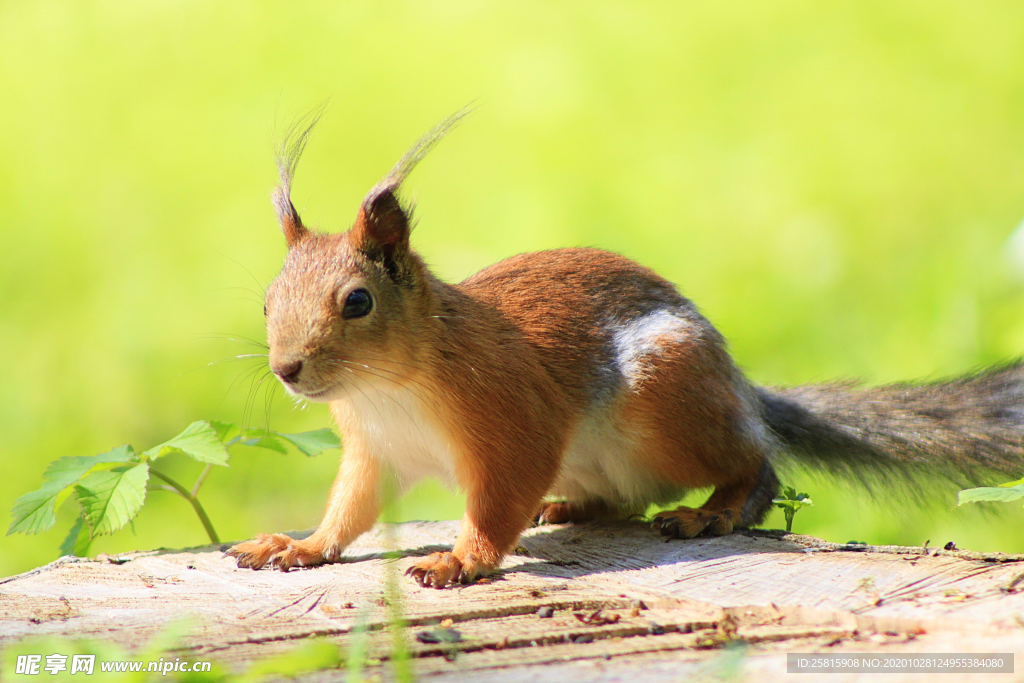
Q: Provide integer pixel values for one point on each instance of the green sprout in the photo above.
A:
(111, 487)
(790, 502)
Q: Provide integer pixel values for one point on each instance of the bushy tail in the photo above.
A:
(966, 429)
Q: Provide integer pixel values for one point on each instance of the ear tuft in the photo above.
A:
(382, 223)
(290, 149)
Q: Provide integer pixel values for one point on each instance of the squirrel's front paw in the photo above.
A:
(277, 550)
(439, 569)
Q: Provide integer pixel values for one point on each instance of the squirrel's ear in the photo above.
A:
(287, 216)
(382, 223)
(288, 153)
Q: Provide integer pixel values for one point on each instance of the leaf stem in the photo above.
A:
(196, 505)
(164, 487)
(201, 479)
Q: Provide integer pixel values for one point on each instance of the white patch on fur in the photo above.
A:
(397, 430)
(646, 336)
(601, 461)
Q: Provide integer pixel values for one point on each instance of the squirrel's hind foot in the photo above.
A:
(573, 512)
(555, 513)
(684, 522)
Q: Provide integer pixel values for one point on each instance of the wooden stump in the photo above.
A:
(668, 610)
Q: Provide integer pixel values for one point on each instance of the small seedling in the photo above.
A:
(790, 502)
(1004, 493)
(111, 487)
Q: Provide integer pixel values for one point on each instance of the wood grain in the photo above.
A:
(670, 607)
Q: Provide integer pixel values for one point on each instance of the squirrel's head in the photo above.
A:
(346, 308)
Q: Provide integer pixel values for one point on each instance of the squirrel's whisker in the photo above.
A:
(401, 384)
(244, 356)
(404, 378)
(241, 339)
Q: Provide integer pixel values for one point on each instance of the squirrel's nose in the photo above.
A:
(288, 371)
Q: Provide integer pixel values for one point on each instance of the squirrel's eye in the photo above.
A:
(357, 304)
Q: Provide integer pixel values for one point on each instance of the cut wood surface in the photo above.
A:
(672, 610)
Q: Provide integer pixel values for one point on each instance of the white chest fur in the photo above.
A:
(402, 432)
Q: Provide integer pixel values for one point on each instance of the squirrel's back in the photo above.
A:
(589, 313)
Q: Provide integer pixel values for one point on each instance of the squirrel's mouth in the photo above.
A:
(323, 394)
(316, 394)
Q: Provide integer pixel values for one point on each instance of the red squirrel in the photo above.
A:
(564, 385)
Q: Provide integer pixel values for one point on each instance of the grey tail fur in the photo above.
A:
(965, 429)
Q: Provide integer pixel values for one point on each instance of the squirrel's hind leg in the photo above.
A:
(740, 504)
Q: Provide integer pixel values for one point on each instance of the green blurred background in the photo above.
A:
(835, 184)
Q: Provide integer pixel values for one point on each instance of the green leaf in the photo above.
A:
(264, 439)
(314, 442)
(77, 541)
(34, 512)
(69, 469)
(200, 441)
(111, 499)
(985, 494)
(1008, 484)
(225, 430)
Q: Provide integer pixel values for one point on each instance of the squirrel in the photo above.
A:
(564, 385)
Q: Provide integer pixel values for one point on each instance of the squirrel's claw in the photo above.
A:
(687, 522)
(683, 523)
(255, 554)
(280, 551)
(438, 570)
